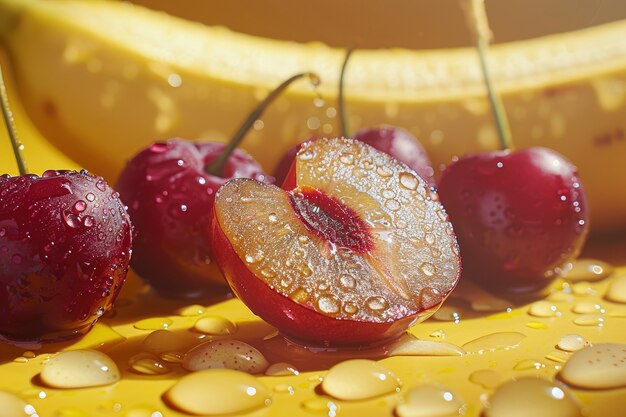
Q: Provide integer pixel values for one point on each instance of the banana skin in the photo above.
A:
(102, 79)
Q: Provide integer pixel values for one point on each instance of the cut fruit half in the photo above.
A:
(357, 252)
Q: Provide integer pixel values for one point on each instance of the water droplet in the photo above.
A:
(532, 397)
(586, 270)
(377, 304)
(321, 405)
(486, 378)
(388, 194)
(359, 379)
(416, 347)
(408, 181)
(13, 406)
(80, 206)
(392, 205)
(147, 365)
(350, 308)
(215, 325)
(601, 366)
(587, 307)
(306, 155)
(384, 171)
(527, 364)
(16, 259)
(346, 158)
(217, 392)
(231, 354)
(79, 369)
(543, 309)
(430, 401)
(305, 270)
(328, 305)
(70, 219)
(589, 320)
(161, 341)
(347, 281)
(427, 269)
(153, 323)
(253, 258)
(273, 218)
(90, 196)
(494, 341)
(88, 221)
(572, 342)
(192, 310)
(281, 369)
(617, 290)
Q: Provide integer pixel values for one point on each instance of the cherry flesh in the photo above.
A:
(170, 195)
(518, 216)
(65, 245)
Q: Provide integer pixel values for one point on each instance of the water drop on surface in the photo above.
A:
(589, 320)
(80, 206)
(231, 354)
(430, 401)
(601, 366)
(377, 303)
(417, 347)
(532, 397)
(153, 323)
(586, 270)
(328, 305)
(408, 181)
(347, 281)
(218, 392)
(147, 365)
(617, 290)
(215, 325)
(586, 307)
(161, 341)
(543, 309)
(494, 341)
(79, 369)
(572, 342)
(13, 406)
(527, 364)
(71, 220)
(192, 310)
(281, 369)
(90, 196)
(360, 379)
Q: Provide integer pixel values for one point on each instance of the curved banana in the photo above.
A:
(102, 79)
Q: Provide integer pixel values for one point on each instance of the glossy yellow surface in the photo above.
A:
(503, 340)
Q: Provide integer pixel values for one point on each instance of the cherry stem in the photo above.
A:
(476, 15)
(7, 114)
(217, 166)
(340, 98)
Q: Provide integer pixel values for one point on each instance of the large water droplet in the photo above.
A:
(601, 366)
(80, 206)
(231, 354)
(543, 309)
(359, 379)
(377, 303)
(328, 305)
(408, 181)
(218, 392)
(146, 364)
(430, 401)
(215, 325)
(79, 369)
(572, 342)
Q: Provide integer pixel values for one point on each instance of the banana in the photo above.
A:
(102, 79)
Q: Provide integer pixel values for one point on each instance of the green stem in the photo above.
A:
(7, 114)
(217, 166)
(340, 98)
(476, 15)
(502, 123)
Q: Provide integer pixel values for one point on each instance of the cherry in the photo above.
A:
(392, 140)
(169, 189)
(65, 244)
(519, 215)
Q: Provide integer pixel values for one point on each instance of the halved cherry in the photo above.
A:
(358, 251)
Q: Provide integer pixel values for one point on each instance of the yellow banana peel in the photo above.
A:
(103, 79)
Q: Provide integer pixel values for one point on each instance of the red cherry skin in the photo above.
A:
(400, 144)
(65, 245)
(170, 196)
(518, 216)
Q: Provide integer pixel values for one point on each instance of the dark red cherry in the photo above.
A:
(65, 244)
(170, 196)
(518, 216)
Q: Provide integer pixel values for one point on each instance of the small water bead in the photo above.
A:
(88, 221)
(321, 406)
(494, 341)
(147, 365)
(416, 347)
(393, 205)
(486, 378)
(80, 206)
(79, 369)
(90, 196)
(161, 341)
(360, 379)
(586, 307)
(447, 313)
(589, 320)
(217, 392)
(281, 369)
(384, 171)
(532, 397)
(192, 310)
(347, 281)
(272, 217)
(215, 325)
(430, 401)
(428, 269)
(376, 303)
(346, 158)
(153, 323)
(350, 308)
(388, 194)
(408, 181)
(572, 342)
(253, 258)
(583, 288)
(13, 406)
(601, 366)
(586, 270)
(328, 305)
(617, 290)
(543, 309)
(231, 354)
(527, 364)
